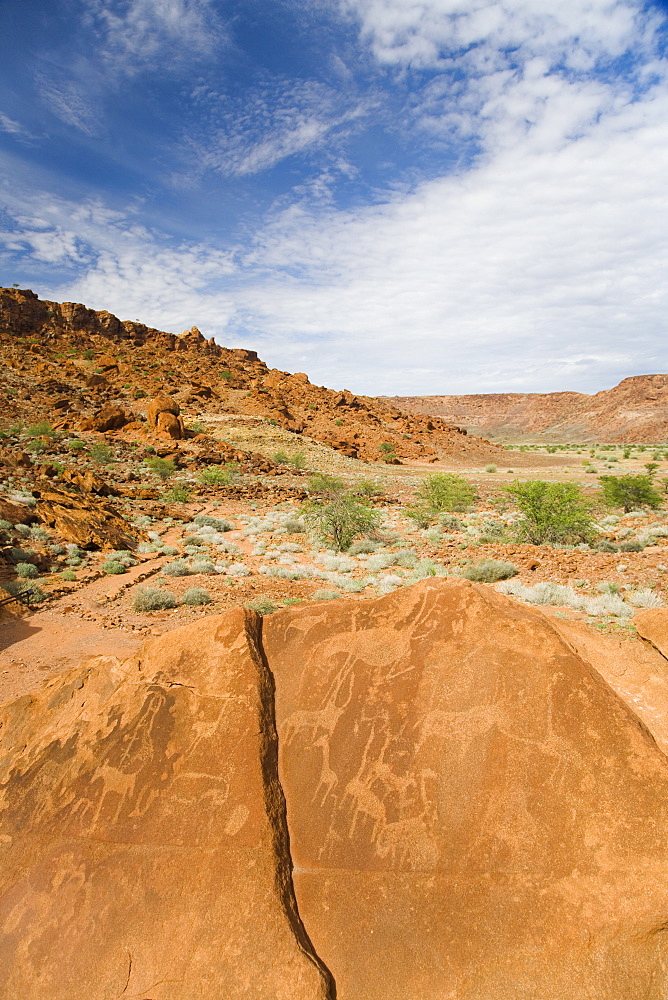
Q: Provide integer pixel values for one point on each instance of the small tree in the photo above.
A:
(552, 512)
(630, 491)
(445, 492)
(339, 519)
(387, 451)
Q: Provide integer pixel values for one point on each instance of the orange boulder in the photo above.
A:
(142, 831)
(473, 812)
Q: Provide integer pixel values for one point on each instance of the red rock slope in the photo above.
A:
(636, 410)
(80, 359)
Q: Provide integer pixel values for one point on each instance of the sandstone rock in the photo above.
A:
(163, 415)
(473, 812)
(652, 625)
(91, 524)
(109, 418)
(89, 482)
(167, 423)
(143, 839)
(16, 513)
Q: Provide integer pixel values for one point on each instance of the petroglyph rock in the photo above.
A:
(473, 812)
(142, 834)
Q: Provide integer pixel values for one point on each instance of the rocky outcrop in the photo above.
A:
(163, 415)
(109, 418)
(473, 812)
(636, 410)
(102, 361)
(143, 839)
(87, 521)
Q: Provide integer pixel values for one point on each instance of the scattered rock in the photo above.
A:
(109, 418)
(89, 523)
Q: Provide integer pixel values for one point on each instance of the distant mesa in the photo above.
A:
(636, 410)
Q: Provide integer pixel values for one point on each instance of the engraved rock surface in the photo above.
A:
(652, 625)
(142, 831)
(474, 813)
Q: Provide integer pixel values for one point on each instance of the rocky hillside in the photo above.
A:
(636, 410)
(66, 362)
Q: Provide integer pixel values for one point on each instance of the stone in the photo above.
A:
(167, 423)
(161, 404)
(163, 415)
(109, 418)
(473, 812)
(652, 625)
(87, 521)
(142, 831)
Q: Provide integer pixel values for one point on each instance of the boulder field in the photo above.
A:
(427, 796)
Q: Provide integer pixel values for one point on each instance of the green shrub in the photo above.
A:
(631, 547)
(445, 491)
(76, 445)
(177, 494)
(293, 526)
(366, 488)
(262, 606)
(340, 519)
(298, 460)
(179, 567)
(29, 593)
(630, 492)
(163, 468)
(489, 571)
(365, 546)
(206, 520)
(101, 453)
(387, 450)
(492, 468)
(41, 429)
(26, 570)
(281, 457)
(606, 546)
(322, 484)
(20, 555)
(69, 575)
(450, 523)
(112, 567)
(421, 514)
(153, 599)
(218, 475)
(195, 596)
(553, 513)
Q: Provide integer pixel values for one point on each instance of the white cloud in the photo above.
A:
(423, 33)
(541, 267)
(69, 101)
(135, 33)
(270, 125)
(14, 128)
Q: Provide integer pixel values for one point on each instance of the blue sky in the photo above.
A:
(395, 196)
